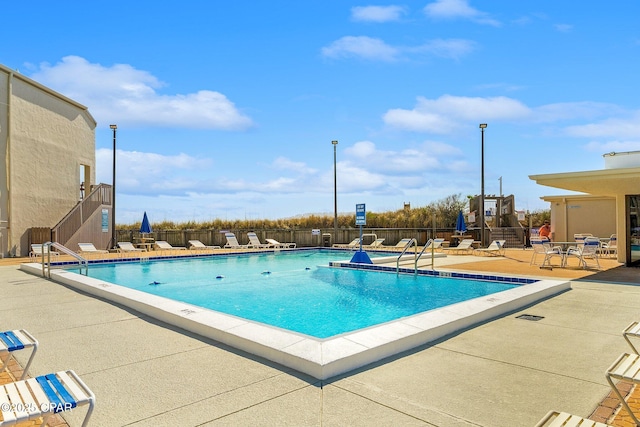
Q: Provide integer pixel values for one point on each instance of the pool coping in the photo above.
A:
(329, 357)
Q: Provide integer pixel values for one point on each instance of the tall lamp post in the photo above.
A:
(113, 189)
(335, 191)
(482, 127)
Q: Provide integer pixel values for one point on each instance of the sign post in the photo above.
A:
(361, 219)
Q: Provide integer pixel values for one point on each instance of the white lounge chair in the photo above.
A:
(559, 419)
(43, 396)
(87, 249)
(434, 244)
(162, 245)
(465, 246)
(274, 243)
(355, 243)
(232, 242)
(402, 243)
(199, 246)
(124, 247)
(12, 341)
(254, 241)
(584, 251)
(38, 250)
(376, 243)
(496, 248)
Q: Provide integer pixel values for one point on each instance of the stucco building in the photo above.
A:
(48, 142)
(614, 197)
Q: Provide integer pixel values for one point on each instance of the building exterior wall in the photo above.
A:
(582, 214)
(49, 138)
(4, 191)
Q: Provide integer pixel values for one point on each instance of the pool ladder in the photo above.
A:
(414, 243)
(46, 265)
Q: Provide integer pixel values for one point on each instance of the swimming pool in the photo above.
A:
(295, 290)
(321, 358)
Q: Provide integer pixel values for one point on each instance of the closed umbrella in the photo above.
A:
(145, 227)
(461, 227)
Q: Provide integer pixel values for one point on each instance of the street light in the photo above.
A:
(482, 127)
(335, 192)
(113, 190)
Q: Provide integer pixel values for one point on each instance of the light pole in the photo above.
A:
(113, 190)
(335, 192)
(482, 127)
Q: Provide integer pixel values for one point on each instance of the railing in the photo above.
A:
(71, 223)
(411, 243)
(46, 250)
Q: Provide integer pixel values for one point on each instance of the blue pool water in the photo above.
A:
(294, 290)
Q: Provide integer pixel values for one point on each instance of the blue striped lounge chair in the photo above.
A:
(43, 396)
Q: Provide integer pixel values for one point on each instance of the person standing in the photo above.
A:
(545, 231)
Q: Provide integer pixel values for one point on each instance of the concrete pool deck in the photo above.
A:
(504, 372)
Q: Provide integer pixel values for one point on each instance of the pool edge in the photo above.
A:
(319, 358)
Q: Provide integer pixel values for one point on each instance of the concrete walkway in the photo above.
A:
(506, 372)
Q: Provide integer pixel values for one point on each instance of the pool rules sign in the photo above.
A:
(361, 214)
(361, 219)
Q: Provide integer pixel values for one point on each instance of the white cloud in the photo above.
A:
(445, 114)
(120, 93)
(150, 173)
(377, 13)
(377, 50)
(451, 48)
(362, 47)
(283, 163)
(622, 128)
(453, 9)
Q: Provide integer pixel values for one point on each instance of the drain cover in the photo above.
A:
(531, 317)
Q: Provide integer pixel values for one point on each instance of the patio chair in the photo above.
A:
(465, 246)
(232, 242)
(584, 251)
(38, 250)
(496, 248)
(558, 419)
(274, 243)
(162, 245)
(199, 246)
(255, 242)
(86, 249)
(43, 396)
(540, 246)
(551, 252)
(610, 248)
(128, 247)
(12, 341)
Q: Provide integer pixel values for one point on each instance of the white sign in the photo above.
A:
(315, 232)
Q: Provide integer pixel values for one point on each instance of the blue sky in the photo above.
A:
(228, 109)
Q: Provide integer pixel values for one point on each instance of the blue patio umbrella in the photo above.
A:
(145, 227)
(461, 227)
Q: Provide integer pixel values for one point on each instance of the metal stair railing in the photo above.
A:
(417, 256)
(410, 244)
(46, 266)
